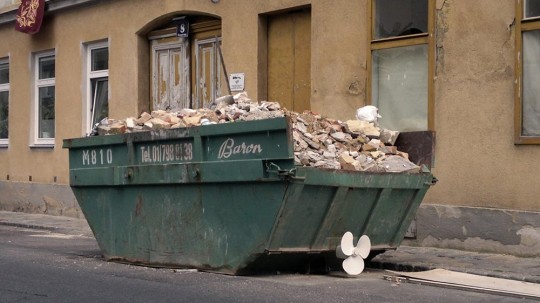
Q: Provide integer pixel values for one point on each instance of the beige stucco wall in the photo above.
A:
(339, 54)
(476, 161)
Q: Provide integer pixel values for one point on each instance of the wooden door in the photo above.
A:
(186, 72)
(208, 71)
(170, 73)
(289, 59)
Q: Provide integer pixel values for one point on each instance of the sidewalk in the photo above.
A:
(405, 258)
(58, 224)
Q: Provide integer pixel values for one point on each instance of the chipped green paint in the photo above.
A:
(222, 198)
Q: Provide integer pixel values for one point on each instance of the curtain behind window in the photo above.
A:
(400, 87)
(531, 89)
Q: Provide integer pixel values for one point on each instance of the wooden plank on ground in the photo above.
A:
(451, 279)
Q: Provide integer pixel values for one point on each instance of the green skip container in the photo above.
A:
(228, 198)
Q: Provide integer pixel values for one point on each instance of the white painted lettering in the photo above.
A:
(109, 156)
(228, 148)
(86, 157)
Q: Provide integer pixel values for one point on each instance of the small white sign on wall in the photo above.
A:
(237, 82)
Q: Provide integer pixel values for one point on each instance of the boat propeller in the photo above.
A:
(354, 255)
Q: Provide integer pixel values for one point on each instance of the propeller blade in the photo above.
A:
(347, 245)
(363, 247)
(353, 265)
(339, 253)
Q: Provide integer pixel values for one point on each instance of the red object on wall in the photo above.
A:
(30, 16)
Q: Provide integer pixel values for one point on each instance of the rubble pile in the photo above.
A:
(318, 141)
(351, 145)
(226, 109)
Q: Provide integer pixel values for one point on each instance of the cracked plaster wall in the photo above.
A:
(478, 229)
(476, 161)
(39, 198)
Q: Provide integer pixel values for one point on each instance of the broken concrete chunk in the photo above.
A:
(377, 154)
(144, 118)
(113, 128)
(341, 136)
(301, 127)
(368, 147)
(187, 112)
(131, 122)
(173, 119)
(192, 121)
(103, 130)
(347, 162)
(397, 164)
(180, 124)
(404, 155)
(389, 137)
(156, 123)
(362, 127)
(314, 157)
(388, 149)
(329, 155)
(159, 114)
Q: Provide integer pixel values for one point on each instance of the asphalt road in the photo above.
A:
(41, 266)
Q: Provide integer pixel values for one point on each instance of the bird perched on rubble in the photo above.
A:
(368, 113)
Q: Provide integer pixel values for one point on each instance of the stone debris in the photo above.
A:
(318, 141)
(350, 145)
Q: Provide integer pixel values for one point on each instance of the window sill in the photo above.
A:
(527, 141)
(42, 146)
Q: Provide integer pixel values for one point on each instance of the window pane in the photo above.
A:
(399, 18)
(400, 87)
(100, 96)
(100, 59)
(4, 73)
(531, 89)
(46, 112)
(4, 111)
(532, 8)
(46, 67)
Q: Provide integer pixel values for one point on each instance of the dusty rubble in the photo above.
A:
(352, 145)
(318, 141)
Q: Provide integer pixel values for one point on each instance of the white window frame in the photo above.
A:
(91, 75)
(39, 83)
(5, 88)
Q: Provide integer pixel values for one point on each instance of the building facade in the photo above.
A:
(467, 70)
